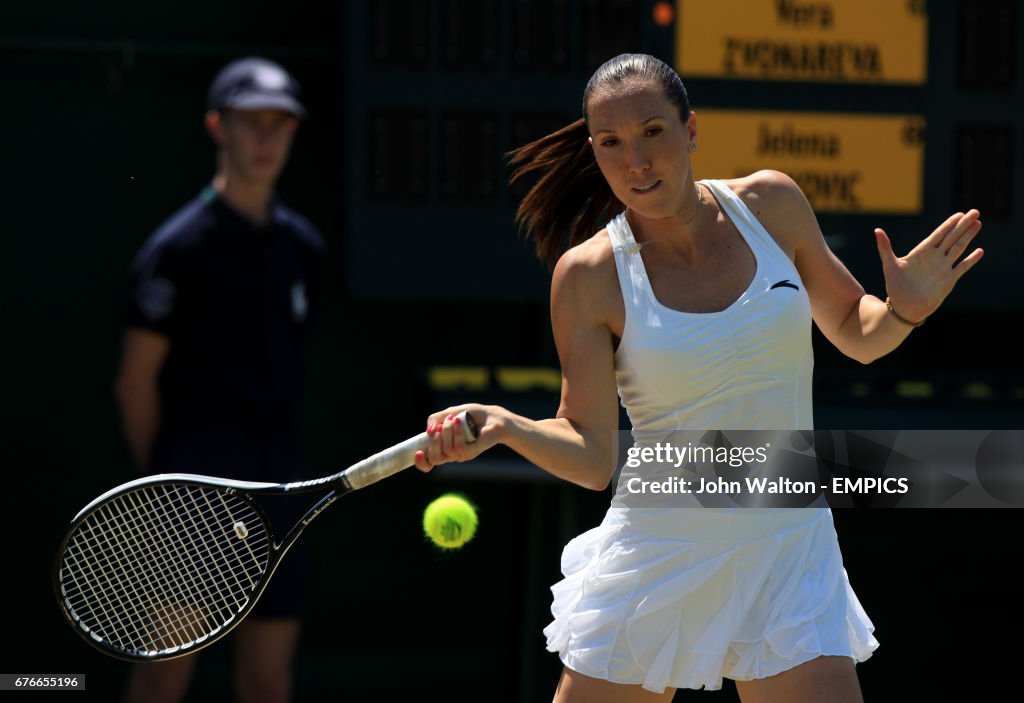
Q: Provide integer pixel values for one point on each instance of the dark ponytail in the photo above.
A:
(571, 197)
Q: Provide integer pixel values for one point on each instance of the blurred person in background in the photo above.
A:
(223, 298)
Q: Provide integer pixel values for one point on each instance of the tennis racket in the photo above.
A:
(165, 565)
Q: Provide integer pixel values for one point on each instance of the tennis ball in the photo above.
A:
(450, 521)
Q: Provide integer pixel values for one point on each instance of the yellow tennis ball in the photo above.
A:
(450, 521)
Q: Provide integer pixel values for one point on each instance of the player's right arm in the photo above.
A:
(579, 443)
(138, 389)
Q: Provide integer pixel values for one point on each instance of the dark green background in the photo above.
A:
(100, 111)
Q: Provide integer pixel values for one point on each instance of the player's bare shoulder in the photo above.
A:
(779, 204)
(585, 277)
(588, 262)
(767, 192)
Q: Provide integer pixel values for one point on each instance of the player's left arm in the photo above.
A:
(858, 323)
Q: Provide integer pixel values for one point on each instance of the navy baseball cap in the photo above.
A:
(255, 84)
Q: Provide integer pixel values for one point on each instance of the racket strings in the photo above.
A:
(163, 567)
(175, 614)
(174, 626)
(106, 562)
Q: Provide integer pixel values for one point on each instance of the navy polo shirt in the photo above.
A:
(237, 302)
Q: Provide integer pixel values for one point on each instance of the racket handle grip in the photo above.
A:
(401, 456)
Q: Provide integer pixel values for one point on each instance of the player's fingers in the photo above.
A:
(435, 420)
(448, 436)
(885, 251)
(964, 266)
(435, 447)
(454, 438)
(962, 225)
(936, 238)
(421, 462)
(956, 247)
(884, 245)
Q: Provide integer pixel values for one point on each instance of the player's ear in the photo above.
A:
(214, 124)
(691, 126)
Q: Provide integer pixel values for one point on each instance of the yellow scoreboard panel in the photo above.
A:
(845, 163)
(843, 41)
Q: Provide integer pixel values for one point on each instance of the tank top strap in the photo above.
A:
(629, 265)
(758, 238)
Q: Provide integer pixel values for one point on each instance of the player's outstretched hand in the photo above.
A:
(918, 282)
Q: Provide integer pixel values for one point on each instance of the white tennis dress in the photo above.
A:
(670, 597)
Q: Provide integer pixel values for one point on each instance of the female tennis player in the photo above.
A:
(694, 306)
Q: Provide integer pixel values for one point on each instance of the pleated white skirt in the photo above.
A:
(659, 610)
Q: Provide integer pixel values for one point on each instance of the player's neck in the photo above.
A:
(247, 198)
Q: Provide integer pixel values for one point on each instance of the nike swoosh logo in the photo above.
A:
(784, 284)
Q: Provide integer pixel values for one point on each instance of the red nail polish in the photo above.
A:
(458, 421)
(430, 427)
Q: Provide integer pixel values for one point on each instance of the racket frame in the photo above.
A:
(355, 477)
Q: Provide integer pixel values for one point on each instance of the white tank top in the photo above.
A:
(747, 367)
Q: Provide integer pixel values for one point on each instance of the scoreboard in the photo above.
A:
(848, 41)
(889, 113)
(842, 162)
(845, 163)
